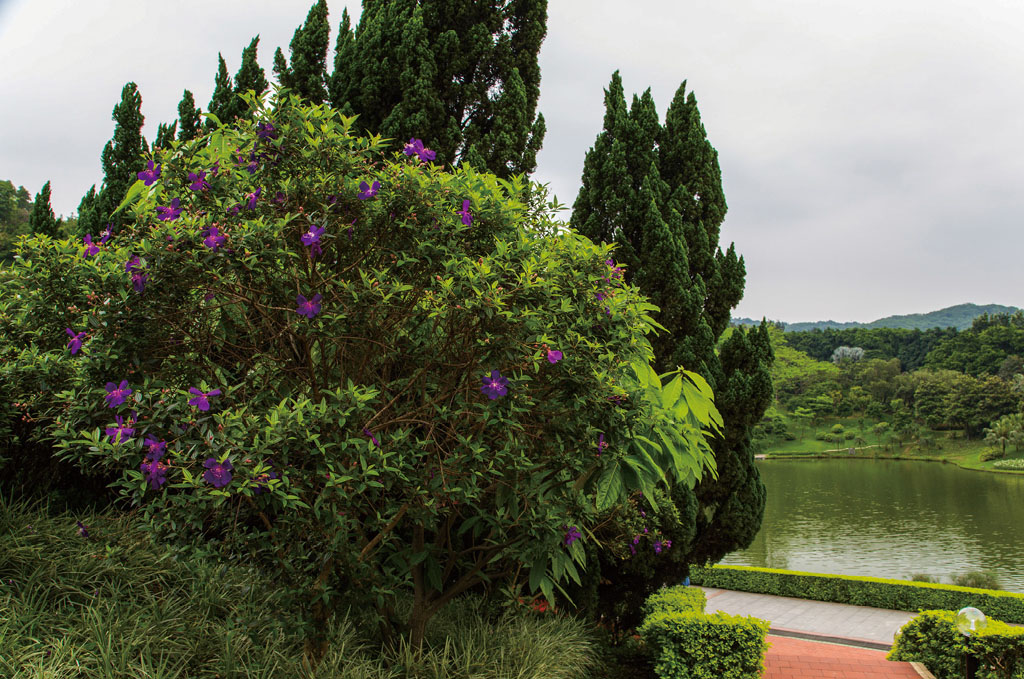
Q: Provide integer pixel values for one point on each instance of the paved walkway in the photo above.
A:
(842, 623)
(790, 658)
(820, 639)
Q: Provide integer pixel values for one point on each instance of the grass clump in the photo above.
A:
(102, 601)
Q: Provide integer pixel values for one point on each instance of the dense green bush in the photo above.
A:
(933, 639)
(363, 372)
(675, 599)
(688, 644)
(992, 454)
(898, 595)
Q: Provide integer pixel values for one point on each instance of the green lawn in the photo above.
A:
(951, 447)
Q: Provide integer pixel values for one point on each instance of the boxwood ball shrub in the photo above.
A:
(372, 375)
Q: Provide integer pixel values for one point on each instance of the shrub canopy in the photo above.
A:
(348, 363)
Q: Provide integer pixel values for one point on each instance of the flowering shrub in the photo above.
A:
(367, 372)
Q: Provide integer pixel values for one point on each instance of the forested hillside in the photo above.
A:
(959, 316)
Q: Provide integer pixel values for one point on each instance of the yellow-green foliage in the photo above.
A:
(862, 591)
(687, 643)
(933, 639)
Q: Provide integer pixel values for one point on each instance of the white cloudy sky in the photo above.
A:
(872, 151)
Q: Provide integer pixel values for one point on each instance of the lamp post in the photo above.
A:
(970, 621)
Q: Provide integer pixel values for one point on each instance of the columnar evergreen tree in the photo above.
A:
(463, 76)
(165, 135)
(655, 190)
(306, 74)
(88, 217)
(189, 118)
(122, 160)
(250, 76)
(220, 102)
(42, 220)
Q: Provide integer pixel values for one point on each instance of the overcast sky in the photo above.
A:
(872, 151)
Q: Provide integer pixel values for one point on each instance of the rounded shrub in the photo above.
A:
(367, 373)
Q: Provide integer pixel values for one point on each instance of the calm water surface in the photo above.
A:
(889, 518)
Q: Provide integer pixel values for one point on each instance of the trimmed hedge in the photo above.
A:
(688, 644)
(899, 595)
(932, 638)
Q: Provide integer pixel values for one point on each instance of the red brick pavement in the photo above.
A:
(789, 658)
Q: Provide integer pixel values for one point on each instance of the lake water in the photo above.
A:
(889, 518)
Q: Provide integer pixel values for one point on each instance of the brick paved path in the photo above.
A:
(789, 658)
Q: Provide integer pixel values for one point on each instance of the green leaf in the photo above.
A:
(132, 194)
(537, 572)
(609, 488)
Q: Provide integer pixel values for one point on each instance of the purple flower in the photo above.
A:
(217, 474)
(600, 296)
(467, 218)
(150, 174)
(83, 530)
(572, 535)
(266, 131)
(372, 437)
(367, 191)
(201, 399)
(75, 343)
(234, 210)
(601, 444)
(134, 267)
(90, 248)
(107, 233)
(616, 271)
(116, 394)
(215, 240)
(199, 182)
(312, 239)
(309, 307)
(215, 168)
(170, 212)
(554, 356)
(156, 473)
(415, 148)
(251, 198)
(278, 198)
(154, 449)
(122, 432)
(494, 385)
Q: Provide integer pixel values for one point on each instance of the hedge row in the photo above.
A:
(688, 644)
(932, 638)
(862, 591)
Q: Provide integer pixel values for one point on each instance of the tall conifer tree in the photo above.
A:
(220, 102)
(250, 76)
(189, 118)
(42, 220)
(122, 160)
(655, 190)
(306, 74)
(463, 77)
(165, 135)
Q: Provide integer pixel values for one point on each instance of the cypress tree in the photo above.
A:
(122, 161)
(189, 118)
(42, 220)
(306, 75)
(464, 77)
(250, 76)
(88, 219)
(165, 135)
(656, 191)
(220, 102)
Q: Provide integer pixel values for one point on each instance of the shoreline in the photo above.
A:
(836, 455)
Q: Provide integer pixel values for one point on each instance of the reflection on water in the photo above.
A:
(889, 518)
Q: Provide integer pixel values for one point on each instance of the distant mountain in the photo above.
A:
(959, 316)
